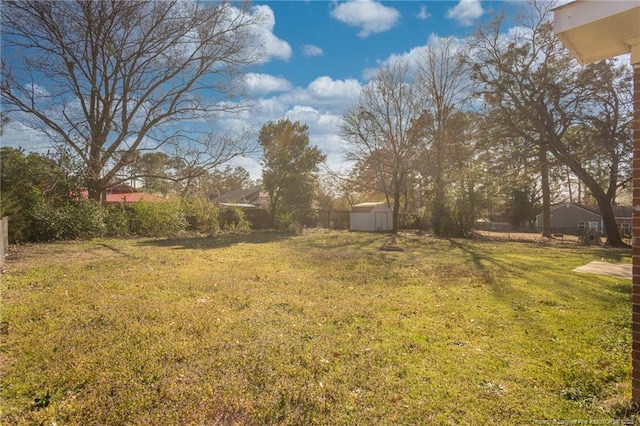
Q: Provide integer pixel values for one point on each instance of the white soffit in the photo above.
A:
(594, 30)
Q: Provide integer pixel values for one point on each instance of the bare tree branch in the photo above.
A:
(109, 78)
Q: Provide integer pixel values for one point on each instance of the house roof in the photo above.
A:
(619, 212)
(239, 196)
(122, 196)
(592, 209)
(623, 211)
(131, 197)
(121, 188)
(596, 30)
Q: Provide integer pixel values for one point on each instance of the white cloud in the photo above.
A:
(323, 92)
(411, 57)
(323, 132)
(466, 12)
(319, 105)
(423, 14)
(303, 114)
(312, 50)
(252, 165)
(265, 83)
(326, 87)
(321, 120)
(370, 16)
(18, 135)
(273, 46)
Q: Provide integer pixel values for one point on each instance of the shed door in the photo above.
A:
(381, 221)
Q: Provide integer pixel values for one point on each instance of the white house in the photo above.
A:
(371, 217)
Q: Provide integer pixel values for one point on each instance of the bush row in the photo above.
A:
(42, 220)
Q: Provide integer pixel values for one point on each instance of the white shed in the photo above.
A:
(372, 217)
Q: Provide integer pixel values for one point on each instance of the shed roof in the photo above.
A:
(366, 207)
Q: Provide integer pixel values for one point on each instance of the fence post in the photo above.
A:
(4, 238)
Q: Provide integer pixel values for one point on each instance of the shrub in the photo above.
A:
(18, 223)
(43, 221)
(286, 221)
(233, 219)
(418, 219)
(116, 221)
(152, 219)
(201, 215)
(84, 219)
(69, 221)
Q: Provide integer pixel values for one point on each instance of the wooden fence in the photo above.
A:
(333, 219)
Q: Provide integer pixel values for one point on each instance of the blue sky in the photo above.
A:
(324, 51)
(342, 40)
(318, 54)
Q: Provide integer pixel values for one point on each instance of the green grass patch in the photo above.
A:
(320, 328)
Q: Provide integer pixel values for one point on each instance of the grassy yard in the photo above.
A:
(320, 328)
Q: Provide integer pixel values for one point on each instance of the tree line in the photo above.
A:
(496, 126)
(491, 126)
(44, 196)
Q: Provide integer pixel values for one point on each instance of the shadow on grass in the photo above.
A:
(538, 275)
(218, 241)
(118, 251)
(624, 288)
(349, 239)
(609, 254)
(476, 258)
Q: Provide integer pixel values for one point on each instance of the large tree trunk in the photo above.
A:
(609, 223)
(96, 190)
(604, 200)
(396, 211)
(546, 191)
(272, 210)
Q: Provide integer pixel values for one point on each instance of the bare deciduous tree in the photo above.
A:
(442, 79)
(112, 78)
(383, 129)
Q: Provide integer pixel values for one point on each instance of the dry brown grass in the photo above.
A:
(526, 237)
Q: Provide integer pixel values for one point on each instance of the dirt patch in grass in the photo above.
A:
(525, 237)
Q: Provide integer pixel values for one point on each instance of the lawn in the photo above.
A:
(319, 328)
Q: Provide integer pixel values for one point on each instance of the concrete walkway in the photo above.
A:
(622, 270)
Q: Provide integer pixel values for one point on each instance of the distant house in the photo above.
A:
(574, 218)
(124, 194)
(245, 198)
(253, 201)
(131, 197)
(372, 217)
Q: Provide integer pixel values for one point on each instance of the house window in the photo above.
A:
(626, 228)
(581, 225)
(593, 224)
